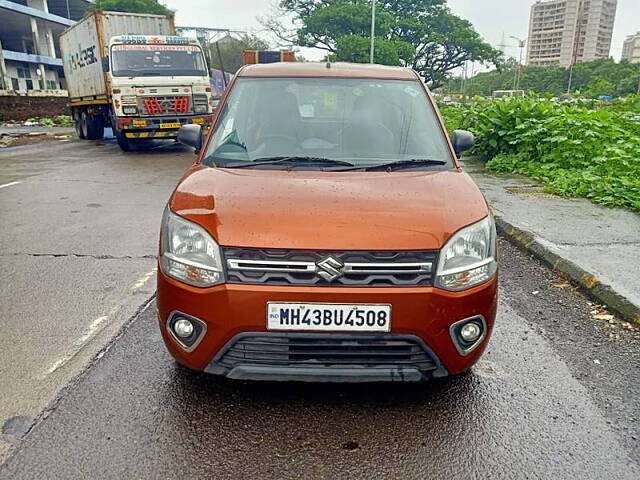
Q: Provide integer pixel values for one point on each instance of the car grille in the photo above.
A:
(334, 268)
(164, 104)
(326, 350)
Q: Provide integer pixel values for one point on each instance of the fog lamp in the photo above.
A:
(183, 328)
(470, 332)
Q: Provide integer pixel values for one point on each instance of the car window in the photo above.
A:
(362, 121)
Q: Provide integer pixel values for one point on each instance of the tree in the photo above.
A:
(422, 34)
(132, 6)
(590, 79)
(231, 49)
(598, 86)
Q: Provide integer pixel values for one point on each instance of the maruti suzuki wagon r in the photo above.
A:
(326, 232)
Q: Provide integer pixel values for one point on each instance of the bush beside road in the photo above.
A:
(577, 149)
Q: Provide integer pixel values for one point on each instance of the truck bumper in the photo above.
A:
(159, 127)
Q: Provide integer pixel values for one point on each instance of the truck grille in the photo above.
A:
(330, 268)
(328, 350)
(164, 104)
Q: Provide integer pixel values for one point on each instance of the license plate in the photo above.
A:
(170, 125)
(334, 317)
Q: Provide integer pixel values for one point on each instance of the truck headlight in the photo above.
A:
(188, 253)
(129, 109)
(200, 103)
(469, 257)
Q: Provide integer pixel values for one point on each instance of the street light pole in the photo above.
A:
(516, 80)
(373, 29)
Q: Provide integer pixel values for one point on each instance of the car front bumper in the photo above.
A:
(235, 320)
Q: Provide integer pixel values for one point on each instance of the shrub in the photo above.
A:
(579, 149)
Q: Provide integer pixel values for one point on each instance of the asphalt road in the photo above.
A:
(557, 395)
(79, 233)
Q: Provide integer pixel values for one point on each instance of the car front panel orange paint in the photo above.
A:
(302, 209)
(231, 309)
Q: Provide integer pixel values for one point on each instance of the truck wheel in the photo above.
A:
(123, 142)
(94, 126)
(77, 121)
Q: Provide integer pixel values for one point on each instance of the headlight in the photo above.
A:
(129, 109)
(469, 257)
(188, 253)
(200, 103)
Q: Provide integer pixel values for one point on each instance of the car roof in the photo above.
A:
(317, 69)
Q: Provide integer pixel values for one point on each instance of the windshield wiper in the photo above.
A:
(292, 160)
(400, 164)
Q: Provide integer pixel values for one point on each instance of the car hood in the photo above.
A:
(302, 209)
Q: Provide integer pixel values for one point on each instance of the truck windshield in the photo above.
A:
(327, 123)
(161, 60)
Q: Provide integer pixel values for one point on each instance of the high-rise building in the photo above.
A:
(563, 32)
(631, 48)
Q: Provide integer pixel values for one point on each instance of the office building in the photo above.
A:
(30, 56)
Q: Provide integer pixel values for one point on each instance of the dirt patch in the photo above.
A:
(20, 108)
(536, 191)
(29, 139)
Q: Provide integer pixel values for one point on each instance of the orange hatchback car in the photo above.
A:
(327, 233)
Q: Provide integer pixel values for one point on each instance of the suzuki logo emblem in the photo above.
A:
(329, 269)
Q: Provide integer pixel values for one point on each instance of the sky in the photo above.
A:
(491, 18)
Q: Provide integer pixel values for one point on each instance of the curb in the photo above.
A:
(600, 292)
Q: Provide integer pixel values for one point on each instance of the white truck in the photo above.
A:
(131, 72)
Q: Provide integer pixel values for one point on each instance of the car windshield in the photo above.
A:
(143, 60)
(327, 123)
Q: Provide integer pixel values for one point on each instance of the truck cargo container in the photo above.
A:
(131, 72)
(250, 57)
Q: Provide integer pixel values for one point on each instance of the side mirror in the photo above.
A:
(191, 136)
(462, 140)
(105, 64)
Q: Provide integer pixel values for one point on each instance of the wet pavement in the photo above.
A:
(605, 242)
(79, 234)
(529, 409)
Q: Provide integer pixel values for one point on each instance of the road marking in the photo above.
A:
(142, 280)
(95, 326)
(9, 184)
(90, 331)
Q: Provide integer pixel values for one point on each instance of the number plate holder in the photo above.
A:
(329, 317)
(171, 125)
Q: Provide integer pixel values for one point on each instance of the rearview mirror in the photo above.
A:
(105, 64)
(191, 136)
(462, 140)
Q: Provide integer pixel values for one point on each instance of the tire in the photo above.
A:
(94, 126)
(123, 142)
(77, 121)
